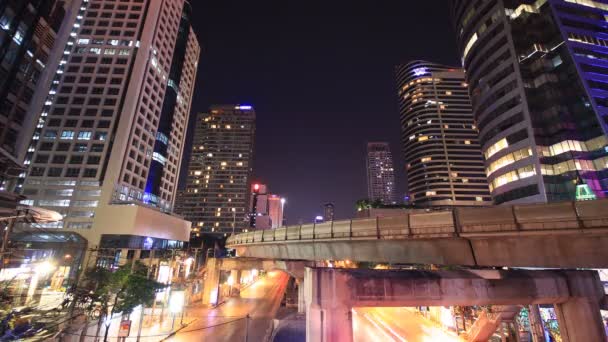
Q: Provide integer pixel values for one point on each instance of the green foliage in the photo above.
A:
(363, 204)
(122, 290)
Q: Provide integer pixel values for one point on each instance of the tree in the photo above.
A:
(119, 291)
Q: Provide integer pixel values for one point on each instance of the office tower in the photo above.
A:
(443, 159)
(328, 209)
(216, 198)
(107, 148)
(380, 173)
(276, 206)
(258, 207)
(537, 74)
(28, 32)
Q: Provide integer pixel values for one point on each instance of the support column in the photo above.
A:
(580, 320)
(536, 324)
(579, 317)
(236, 278)
(212, 281)
(328, 306)
(301, 297)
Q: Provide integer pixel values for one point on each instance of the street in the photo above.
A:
(396, 324)
(227, 323)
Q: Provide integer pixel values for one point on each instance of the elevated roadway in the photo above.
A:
(560, 235)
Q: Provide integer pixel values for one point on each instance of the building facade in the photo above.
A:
(443, 159)
(111, 132)
(276, 206)
(537, 73)
(28, 32)
(216, 197)
(380, 173)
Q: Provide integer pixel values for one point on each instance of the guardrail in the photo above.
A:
(458, 222)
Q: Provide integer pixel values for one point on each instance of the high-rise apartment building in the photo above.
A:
(443, 159)
(107, 147)
(537, 73)
(216, 197)
(29, 30)
(380, 173)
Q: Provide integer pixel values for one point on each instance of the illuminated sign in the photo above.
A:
(243, 107)
(421, 71)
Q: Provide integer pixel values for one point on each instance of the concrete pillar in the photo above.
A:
(212, 281)
(579, 317)
(536, 324)
(328, 307)
(328, 325)
(580, 320)
(301, 297)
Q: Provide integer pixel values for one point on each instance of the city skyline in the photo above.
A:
(149, 149)
(311, 135)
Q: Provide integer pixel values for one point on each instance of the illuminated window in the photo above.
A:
(431, 193)
(498, 146)
(426, 159)
(469, 45)
(508, 159)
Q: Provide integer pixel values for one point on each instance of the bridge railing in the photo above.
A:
(463, 222)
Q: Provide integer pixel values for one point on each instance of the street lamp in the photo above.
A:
(233, 219)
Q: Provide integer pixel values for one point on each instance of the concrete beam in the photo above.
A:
(446, 251)
(539, 249)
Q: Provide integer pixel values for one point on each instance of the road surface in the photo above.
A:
(396, 324)
(226, 323)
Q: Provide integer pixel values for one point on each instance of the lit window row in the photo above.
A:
(508, 160)
(497, 147)
(575, 165)
(590, 3)
(573, 145)
(515, 175)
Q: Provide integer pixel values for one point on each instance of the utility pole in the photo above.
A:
(7, 231)
(247, 327)
(143, 306)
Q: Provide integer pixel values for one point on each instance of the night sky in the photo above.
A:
(320, 75)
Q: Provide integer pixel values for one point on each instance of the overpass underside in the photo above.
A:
(331, 295)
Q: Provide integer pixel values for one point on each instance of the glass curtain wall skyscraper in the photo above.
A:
(443, 159)
(29, 30)
(537, 72)
(216, 197)
(380, 173)
(112, 129)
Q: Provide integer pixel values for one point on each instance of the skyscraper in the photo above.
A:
(276, 205)
(537, 74)
(442, 154)
(258, 207)
(380, 173)
(29, 30)
(216, 197)
(111, 131)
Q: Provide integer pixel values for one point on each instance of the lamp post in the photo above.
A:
(233, 220)
(283, 201)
